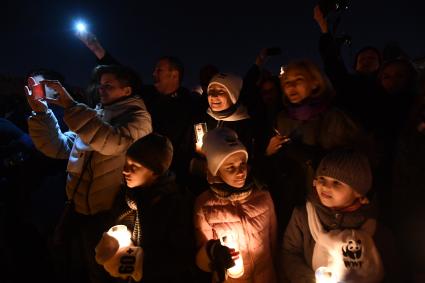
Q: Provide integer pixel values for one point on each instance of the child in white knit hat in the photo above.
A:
(235, 220)
(333, 236)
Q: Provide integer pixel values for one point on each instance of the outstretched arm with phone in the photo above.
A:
(44, 128)
(91, 42)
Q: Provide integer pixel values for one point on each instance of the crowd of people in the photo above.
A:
(307, 176)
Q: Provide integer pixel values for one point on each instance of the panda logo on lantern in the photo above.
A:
(352, 253)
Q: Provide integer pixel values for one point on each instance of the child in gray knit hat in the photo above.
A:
(333, 236)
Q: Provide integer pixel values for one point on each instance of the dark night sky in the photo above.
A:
(226, 33)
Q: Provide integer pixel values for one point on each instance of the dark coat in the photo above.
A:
(165, 232)
(289, 173)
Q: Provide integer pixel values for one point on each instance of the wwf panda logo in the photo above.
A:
(352, 253)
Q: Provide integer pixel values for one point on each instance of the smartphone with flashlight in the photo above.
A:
(39, 89)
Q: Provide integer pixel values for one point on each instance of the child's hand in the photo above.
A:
(106, 248)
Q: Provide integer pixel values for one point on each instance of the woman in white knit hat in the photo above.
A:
(224, 110)
(234, 221)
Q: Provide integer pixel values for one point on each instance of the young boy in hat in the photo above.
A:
(235, 222)
(335, 235)
(158, 216)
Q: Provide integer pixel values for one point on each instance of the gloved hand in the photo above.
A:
(221, 259)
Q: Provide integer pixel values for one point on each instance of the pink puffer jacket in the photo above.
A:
(251, 220)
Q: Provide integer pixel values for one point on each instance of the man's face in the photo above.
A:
(367, 62)
(296, 86)
(218, 97)
(394, 78)
(163, 76)
(234, 170)
(269, 93)
(137, 175)
(333, 193)
(110, 89)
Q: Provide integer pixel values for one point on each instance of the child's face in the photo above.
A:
(136, 175)
(333, 193)
(234, 170)
(218, 97)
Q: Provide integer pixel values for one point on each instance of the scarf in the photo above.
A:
(224, 191)
(236, 112)
(139, 198)
(349, 219)
(350, 255)
(308, 109)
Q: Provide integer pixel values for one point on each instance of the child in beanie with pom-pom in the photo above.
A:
(336, 234)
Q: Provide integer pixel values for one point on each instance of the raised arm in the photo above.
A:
(330, 51)
(45, 131)
(90, 40)
(100, 135)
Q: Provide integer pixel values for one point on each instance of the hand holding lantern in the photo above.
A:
(231, 241)
(118, 255)
(324, 275)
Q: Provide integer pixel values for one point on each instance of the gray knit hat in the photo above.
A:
(347, 166)
(153, 151)
(231, 82)
(218, 145)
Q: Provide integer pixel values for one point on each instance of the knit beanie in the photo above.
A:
(218, 145)
(348, 166)
(232, 83)
(153, 151)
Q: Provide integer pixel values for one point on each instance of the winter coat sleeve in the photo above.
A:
(203, 233)
(293, 262)
(332, 60)
(273, 227)
(108, 59)
(102, 136)
(47, 136)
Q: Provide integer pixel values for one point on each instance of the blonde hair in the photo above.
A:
(313, 74)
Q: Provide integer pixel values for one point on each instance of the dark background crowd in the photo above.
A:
(372, 54)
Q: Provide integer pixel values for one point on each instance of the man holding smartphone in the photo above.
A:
(95, 148)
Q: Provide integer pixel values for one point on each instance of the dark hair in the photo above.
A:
(411, 71)
(368, 48)
(175, 65)
(125, 75)
(48, 74)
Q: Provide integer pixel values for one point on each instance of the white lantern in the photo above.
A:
(231, 241)
(121, 234)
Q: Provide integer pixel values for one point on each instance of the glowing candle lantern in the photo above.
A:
(231, 241)
(200, 131)
(121, 234)
(324, 275)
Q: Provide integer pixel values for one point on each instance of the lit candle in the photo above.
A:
(200, 131)
(121, 234)
(324, 275)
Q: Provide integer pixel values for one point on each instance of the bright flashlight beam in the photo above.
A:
(81, 27)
